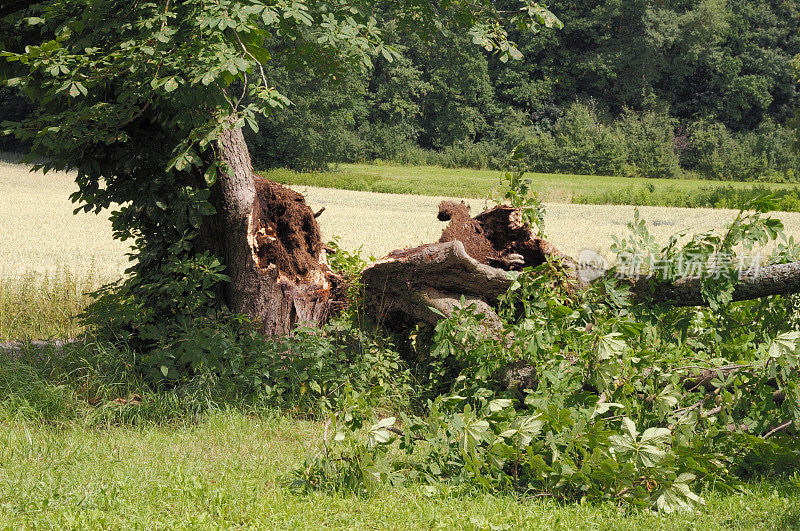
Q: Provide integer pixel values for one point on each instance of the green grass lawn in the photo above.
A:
(228, 470)
(434, 180)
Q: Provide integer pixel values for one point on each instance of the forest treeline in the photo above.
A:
(660, 88)
(657, 88)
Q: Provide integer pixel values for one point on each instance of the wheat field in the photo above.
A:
(39, 233)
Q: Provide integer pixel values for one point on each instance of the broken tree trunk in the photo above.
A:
(778, 279)
(404, 286)
(474, 259)
(271, 244)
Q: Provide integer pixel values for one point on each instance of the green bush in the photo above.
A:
(613, 410)
(716, 154)
(769, 153)
(705, 197)
(636, 144)
(647, 140)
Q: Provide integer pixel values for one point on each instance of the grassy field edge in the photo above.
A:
(558, 188)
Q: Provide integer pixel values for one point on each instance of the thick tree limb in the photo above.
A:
(779, 279)
(405, 285)
(474, 258)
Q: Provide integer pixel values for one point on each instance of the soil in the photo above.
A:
(465, 229)
(505, 228)
(287, 234)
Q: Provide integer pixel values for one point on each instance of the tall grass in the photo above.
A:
(88, 383)
(43, 305)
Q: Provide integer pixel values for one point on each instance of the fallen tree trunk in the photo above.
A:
(476, 261)
(404, 287)
(476, 258)
(778, 279)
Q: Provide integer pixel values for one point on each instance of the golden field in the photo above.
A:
(39, 233)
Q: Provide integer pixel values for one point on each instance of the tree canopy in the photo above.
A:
(712, 83)
(137, 97)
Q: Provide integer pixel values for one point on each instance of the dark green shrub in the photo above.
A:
(716, 154)
(769, 153)
(583, 144)
(648, 145)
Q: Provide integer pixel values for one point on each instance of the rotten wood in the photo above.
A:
(475, 255)
(271, 244)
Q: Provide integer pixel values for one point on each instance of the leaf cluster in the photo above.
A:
(641, 405)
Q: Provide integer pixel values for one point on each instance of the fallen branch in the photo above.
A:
(778, 279)
(401, 433)
(780, 427)
(706, 378)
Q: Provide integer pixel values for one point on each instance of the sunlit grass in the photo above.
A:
(434, 180)
(43, 305)
(77, 453)
(229, 471)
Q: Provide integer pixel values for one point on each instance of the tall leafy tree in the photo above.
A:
(146, 100)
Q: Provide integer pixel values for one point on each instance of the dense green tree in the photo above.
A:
(727, 61)
(147, 100)
(392, 118)
(13, 107)
(319, 126)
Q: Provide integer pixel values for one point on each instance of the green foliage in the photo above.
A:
(769, 153)
(13, 107)
(700, 88)
(518, 192)
(726, 196)
(711, 256)
(306, 370)
(618, 410)
(714, 80)
(636, 144)
(134, 98)
(321, 118)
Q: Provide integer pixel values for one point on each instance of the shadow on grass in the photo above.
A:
(91, 384)
(790, 519)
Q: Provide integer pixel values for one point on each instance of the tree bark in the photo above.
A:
(404, 287)
(779, 279)
(474, 257)
(276, 296)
